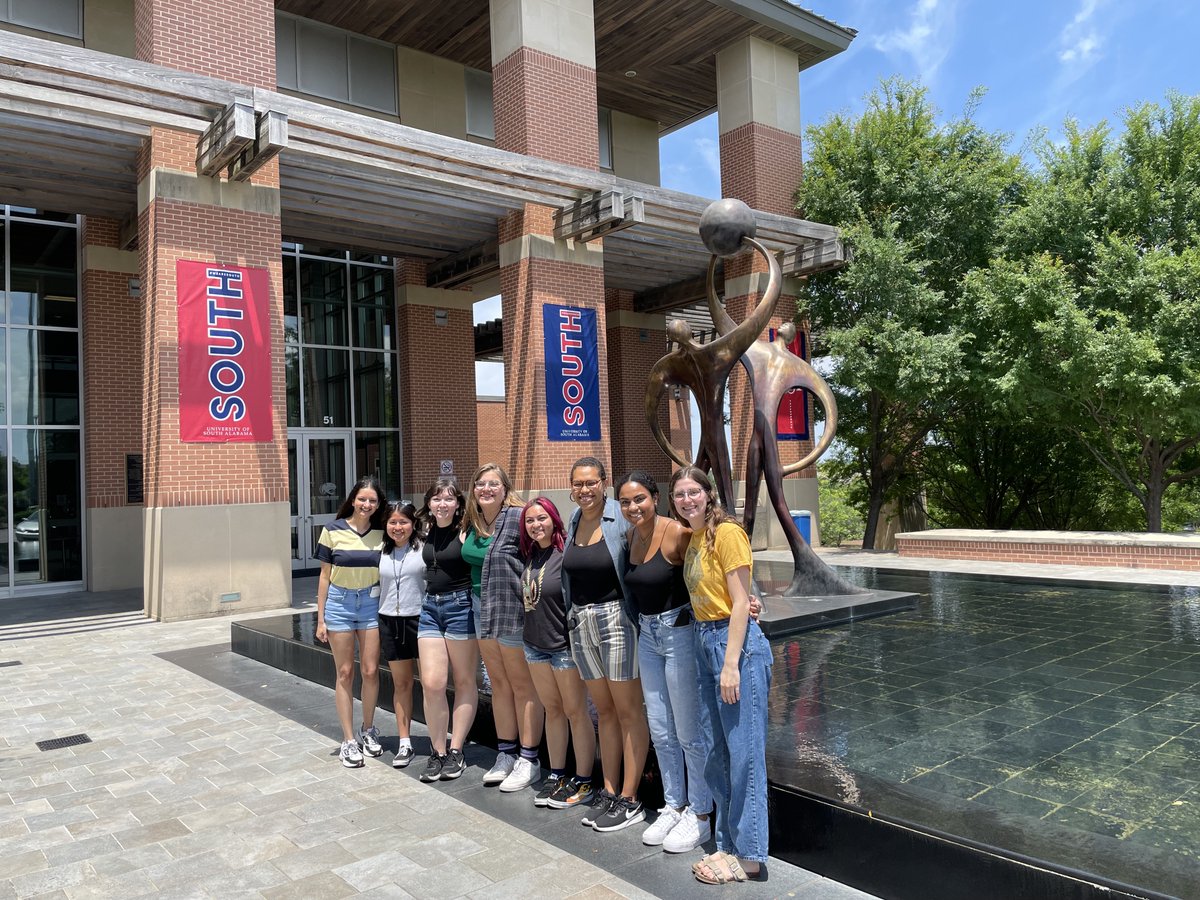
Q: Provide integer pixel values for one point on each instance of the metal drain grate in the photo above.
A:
(9, 662)
(69, 741)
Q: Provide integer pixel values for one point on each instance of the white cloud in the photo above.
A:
(1079, 41)
(926, 39)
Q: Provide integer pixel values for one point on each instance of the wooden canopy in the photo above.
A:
(72, 121)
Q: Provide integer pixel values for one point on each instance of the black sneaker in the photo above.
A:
(604, 800)
(549, 786)
(454, 766)
(622, 813)
(433, 768)
(571, 793)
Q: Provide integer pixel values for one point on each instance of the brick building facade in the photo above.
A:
(414, 142)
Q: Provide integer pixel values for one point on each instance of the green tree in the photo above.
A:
(1099, 292)
(920, 205)
(840, 520)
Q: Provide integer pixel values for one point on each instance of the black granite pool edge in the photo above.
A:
(903, 861)
(1191, 582)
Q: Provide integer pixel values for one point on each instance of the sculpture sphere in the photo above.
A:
(724, 224)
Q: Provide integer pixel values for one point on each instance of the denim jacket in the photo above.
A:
(612, 524)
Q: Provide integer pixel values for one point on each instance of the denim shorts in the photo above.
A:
(447, 616)
(559, 660)
(351, 610)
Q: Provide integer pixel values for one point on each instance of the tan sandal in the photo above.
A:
(720, 868)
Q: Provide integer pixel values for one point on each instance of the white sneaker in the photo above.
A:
(523, 774)
(668, 818)
(501, 770)
(688, 834)
(368, 739)
(350, 755)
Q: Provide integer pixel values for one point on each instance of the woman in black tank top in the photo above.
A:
(667, 662)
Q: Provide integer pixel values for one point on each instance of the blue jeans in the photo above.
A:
(667, 661)
(736, 768)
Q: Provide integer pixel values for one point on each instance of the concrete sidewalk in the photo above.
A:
(209, 775)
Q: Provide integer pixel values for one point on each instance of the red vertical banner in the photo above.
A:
(224, 353)
(792, 424)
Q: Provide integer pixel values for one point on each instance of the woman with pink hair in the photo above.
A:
(548, 653)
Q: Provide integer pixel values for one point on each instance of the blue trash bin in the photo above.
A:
(803, 520)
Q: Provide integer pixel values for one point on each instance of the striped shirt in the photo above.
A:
(354, 556)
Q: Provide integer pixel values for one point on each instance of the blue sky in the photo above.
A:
(1040, 62)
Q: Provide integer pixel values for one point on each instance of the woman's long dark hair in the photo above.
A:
(406, 509)
(425, 516)
(347, 508)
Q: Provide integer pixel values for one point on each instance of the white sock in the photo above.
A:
(406, 742)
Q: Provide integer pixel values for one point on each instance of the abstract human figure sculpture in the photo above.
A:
(704, 368)
(773, 370)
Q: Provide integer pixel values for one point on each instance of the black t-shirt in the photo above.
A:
(445, 568)
(545, 609)
(592, 573)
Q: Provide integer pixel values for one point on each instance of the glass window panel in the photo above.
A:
(480, 119)
(374, 308)
(378, 454)
(326, 388)
(3, 382)
(4, 510)
(328, 483)
(63, 17)
(285, 52)
(605, 131)
(45, 377)
(374, 390)
(45, 283)
(323, 302)
(291, 316)
(3, 296)
(293, 494)
(291, 362)
(369, 257)
(372, 75)
(321, 61)
(47, 501)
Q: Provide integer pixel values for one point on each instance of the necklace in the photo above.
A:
(396, 572)
(531, 589)
(647, 544)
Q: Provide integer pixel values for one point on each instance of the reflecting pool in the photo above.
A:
(1059, 722)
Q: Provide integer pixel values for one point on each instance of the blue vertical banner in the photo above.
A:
(572, 373)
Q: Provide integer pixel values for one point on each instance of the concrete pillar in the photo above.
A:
(112, 401)
(758, 114)
(216, 530)
(436, 376)
(544, 91)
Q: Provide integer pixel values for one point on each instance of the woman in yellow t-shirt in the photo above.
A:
(733, 661)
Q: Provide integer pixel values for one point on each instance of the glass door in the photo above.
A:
(318, 473)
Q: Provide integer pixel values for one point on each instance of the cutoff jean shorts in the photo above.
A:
(448, 616)
(351, 610)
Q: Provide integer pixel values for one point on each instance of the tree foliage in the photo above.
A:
(920, 205)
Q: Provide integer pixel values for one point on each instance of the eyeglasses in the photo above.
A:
(488, 484)
(688, 494)
(590, 485)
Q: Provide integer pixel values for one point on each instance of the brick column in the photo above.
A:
(636, 341)
(544, 90)
(436, 375)
(112, 402)
(758, 97)
(216, 519)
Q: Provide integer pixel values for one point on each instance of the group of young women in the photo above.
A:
(648, 616)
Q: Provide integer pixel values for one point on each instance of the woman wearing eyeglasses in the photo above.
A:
(604, 642)
(492, 545)
(733, 661)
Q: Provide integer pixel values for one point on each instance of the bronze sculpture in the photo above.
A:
(727, 227)
(704, 369)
